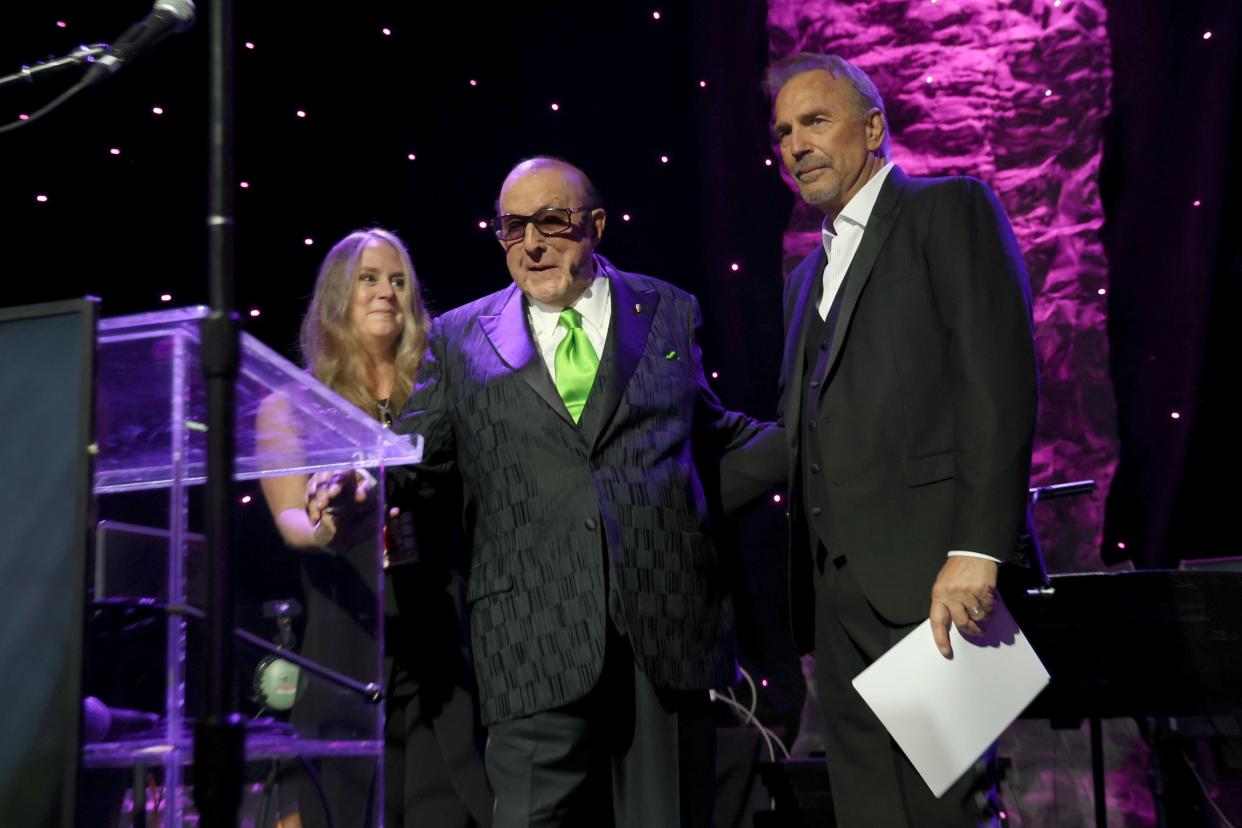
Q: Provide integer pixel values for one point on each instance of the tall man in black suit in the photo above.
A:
(572, 409)
(908, 400)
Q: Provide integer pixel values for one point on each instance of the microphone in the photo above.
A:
(101, 723)
(166, 17)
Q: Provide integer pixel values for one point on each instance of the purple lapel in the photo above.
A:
(633, 310)
(510, 335)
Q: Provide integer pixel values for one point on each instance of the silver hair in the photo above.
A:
(866, 96)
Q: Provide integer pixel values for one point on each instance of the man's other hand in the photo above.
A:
(964, 594)
(334, 497)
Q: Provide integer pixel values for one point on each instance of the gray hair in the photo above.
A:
(866, 96)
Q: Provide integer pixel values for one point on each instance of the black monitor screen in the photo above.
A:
(45, 431)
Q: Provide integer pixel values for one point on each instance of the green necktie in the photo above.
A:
(576, 363)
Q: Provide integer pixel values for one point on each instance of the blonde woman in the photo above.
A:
(364, 336)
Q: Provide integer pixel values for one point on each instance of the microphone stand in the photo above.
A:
(219, 737)
(79, 56)
(1035, 553)
(1046, 590)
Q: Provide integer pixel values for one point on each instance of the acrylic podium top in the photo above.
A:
(151, 411)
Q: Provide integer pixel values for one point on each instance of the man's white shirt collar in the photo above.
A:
(592, 304)
(857, 210)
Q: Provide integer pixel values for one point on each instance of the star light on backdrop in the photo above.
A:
(290, 181)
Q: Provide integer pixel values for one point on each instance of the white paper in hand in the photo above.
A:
(944, 713)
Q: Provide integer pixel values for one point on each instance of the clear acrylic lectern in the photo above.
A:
(321, 721)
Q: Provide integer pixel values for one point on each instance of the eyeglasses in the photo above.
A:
(550, 221)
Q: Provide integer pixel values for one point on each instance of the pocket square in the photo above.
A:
(671, 355)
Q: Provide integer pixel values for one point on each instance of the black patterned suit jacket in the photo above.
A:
(558, 513)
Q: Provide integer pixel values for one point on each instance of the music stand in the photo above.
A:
(1132, 644)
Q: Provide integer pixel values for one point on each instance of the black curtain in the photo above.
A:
(1170, 184)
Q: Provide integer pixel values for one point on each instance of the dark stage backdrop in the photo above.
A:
(412, 130)
(407, 115)
(411, 114)
(1172, 188)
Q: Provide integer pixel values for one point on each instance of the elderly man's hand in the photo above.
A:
(964, 594)
(334, 498)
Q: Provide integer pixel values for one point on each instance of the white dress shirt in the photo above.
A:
(842, 235)
(595, 305)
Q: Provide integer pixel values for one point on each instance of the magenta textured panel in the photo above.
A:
(1013, 92)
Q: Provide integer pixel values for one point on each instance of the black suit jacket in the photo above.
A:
(925, 403)
(555, 510)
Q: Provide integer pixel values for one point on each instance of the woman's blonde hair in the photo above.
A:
(331, 347)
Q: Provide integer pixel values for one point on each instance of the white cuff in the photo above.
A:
(959, 553)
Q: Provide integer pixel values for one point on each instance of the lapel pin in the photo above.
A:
(671, 355)
(638, 309)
